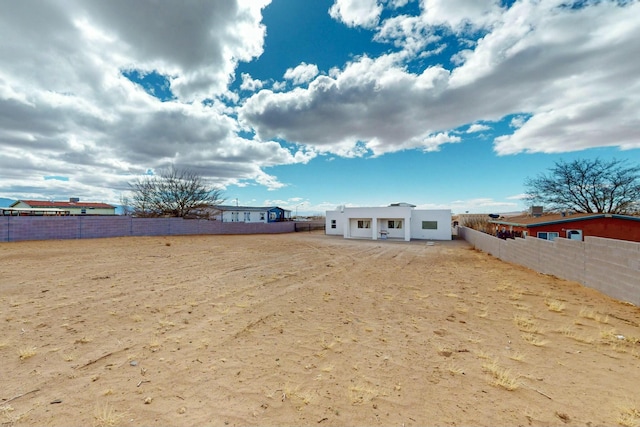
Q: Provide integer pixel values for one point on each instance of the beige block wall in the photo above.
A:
(608, 265)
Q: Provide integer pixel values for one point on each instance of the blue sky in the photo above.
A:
(313, 104)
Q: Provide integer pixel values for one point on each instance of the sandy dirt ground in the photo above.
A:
(304, 329)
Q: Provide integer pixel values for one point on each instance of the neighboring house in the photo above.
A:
(73, 207)
(570, 226)
(251, 214)
(396, 221)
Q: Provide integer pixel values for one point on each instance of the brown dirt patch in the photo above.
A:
(304, 329)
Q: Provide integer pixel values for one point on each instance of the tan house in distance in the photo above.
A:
(74, 207)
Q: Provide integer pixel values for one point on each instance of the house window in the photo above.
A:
(272, 216)
(247, 216)
(261, 216)
(333, 223)
(394, 224)
(548, 235)
(83, 211)
(429, 225)
(364, 223)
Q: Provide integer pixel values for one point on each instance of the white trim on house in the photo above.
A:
(398, 221)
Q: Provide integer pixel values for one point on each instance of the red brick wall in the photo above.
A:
(610, 228)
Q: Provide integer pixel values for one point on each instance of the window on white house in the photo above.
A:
(364, 223)
(394, 224)
(548, 235)
(247, 216)
(429, 225)
(83, 211)
(333, 223)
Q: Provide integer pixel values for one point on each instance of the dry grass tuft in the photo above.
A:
(589, 313)
(629, 416)
(360, 394)
(106, 416)
(502, 377)
(26, 352)
(618, 342)
(517, 356)
(83, 340)
(528, 324)
(7, 415)
(454, 369)
(483, 313)
(569, 332)
(555, 305)
(516, 295)
(482, 355)
(534, 340)
(462, 308)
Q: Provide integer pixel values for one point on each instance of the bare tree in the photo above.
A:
(590, 186)
(174, 193)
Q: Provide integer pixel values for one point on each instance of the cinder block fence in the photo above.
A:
(17, 228)
(608, 265)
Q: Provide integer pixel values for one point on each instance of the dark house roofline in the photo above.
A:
(49, 204)
(249, 208)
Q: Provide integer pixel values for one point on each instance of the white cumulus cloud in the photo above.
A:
(301, 74)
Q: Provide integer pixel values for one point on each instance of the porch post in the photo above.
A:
(374, 228)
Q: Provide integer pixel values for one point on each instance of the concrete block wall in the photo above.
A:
(86, 227)
(613, 267)
(608, 265)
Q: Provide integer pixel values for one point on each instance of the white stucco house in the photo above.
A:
(396, 221)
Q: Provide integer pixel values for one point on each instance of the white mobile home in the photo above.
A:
(251, 214)
(396, 221)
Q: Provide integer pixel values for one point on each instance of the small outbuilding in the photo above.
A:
(396, 221)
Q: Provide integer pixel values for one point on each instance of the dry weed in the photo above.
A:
(462, 308)
(360, 394)
(502, 377)
(483, 313)
(589, 313)
(528, 324)
(26, 352)
(516, 295)
(569, 332)
(555, 305)
(7, 416)
(629, 416)
(106, 416)
(454, 369)
(534, 340)
(482, 355)
(517, 356)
